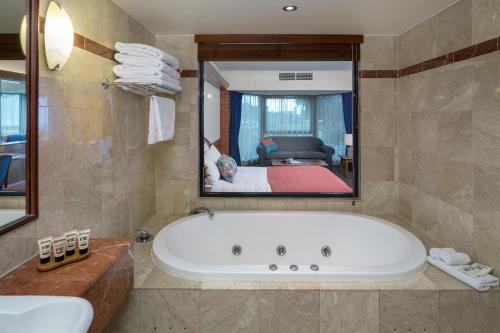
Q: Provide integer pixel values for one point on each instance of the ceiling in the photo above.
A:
(367, 17)
(11, 15)
(284, 65)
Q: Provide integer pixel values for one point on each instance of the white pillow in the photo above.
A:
(212, 171)
(212, 154)
(205, 147)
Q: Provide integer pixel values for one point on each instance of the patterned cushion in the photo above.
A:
(227, 167)
(269, 145)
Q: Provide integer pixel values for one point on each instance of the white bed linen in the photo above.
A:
(247, 179)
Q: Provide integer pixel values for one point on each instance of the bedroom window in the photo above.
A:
(11, 119)
(288, 116)
(279, 138)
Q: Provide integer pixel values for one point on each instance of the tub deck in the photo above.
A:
(431, 302)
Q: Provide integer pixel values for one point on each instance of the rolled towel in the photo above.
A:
(139, 63)
(136, 49)
(435, 252)
(454, 258)
(482, 283)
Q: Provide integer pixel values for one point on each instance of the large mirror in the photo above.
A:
(278, 128)
(18, 80)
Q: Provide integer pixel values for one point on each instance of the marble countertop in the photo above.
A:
(74, 279)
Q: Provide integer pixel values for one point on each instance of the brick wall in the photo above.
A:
(224, 122)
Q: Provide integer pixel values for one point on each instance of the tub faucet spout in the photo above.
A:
(199, 210)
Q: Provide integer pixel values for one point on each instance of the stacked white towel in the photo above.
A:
(140, 63)
(447, 260)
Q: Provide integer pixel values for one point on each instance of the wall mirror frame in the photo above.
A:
(11, 50)
(283, 48)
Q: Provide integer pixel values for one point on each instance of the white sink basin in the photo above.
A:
(44, 314)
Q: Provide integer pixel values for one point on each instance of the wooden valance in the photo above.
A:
(278, 47)
(10, 47)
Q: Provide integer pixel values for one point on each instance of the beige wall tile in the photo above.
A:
(229, 311)
(459, 312)
(485, 20)
(169, 310)
(128, 317)
(404, 311)
(349, 311)
(379, 52)
(289, 311)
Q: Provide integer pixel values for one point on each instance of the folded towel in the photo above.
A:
(435, 253)
(454, 258)
(136, 49)
(143, 75)
(482, 283)
(153, 81)
(161, 119)
(138, 63)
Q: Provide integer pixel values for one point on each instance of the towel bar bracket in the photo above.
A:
(139, 88)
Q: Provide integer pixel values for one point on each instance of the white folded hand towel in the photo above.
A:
(482, 283)
(454, 258)
(161, 119)
(435, 252)
(143, 75)
(136, 49)
(139, 63)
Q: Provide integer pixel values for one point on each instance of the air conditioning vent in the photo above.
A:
(304, 76)
(286, 76)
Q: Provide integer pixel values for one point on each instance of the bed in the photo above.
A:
(284, 179)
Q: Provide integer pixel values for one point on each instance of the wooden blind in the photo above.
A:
(278, 47)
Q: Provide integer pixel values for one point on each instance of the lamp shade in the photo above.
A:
(348, 139)
(59, 36)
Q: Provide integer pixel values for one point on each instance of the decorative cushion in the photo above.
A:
(227, 168)
(269, 145)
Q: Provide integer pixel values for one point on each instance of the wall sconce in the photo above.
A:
(22, 35)
(59, 36)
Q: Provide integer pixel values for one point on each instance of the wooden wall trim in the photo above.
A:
(214, 77)
(476, 50)
(279, 39)
(10, 47)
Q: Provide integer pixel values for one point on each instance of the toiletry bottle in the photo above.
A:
(58, 245)
(83, 241)
(70, 242)
(44, 246)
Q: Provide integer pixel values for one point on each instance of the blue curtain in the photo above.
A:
(347, 106)
(250, 128)
(330, 123)
(234, 125)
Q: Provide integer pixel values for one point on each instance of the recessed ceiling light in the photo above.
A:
(290, 8)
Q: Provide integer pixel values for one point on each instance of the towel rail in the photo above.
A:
(139, 88)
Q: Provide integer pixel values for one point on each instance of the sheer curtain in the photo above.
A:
(250, 129)
(288, 115)
(330, 123)
(12, 114)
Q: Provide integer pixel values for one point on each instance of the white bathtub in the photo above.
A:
(363, 248)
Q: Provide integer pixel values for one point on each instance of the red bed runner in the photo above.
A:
(307, 178)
